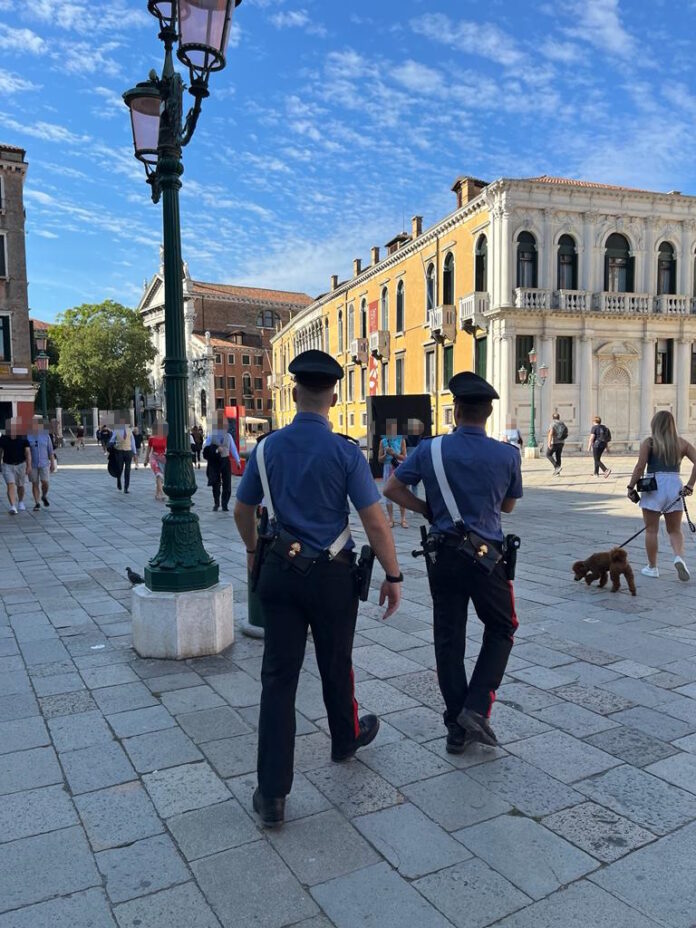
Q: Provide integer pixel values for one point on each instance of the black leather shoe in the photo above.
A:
(215, 508)
(225, 509)
(270, 811)
(477, 725)
(369, 726)
(458, 739)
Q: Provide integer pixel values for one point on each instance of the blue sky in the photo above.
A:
(332, 123)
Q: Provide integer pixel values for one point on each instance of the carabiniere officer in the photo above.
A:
(477, 477)
(307, 577)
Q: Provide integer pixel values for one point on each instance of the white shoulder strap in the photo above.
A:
(264, 480)
(443, 482)
(333, 549)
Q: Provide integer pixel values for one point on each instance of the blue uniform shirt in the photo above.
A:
(311, 474)
(481, 471)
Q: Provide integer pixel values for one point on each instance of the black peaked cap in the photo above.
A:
(468, 387)
(316, 369)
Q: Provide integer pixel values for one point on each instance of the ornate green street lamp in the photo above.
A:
(532, 377)
(42, 361)
(202, 28)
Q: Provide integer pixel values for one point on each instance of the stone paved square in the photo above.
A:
(150, 768)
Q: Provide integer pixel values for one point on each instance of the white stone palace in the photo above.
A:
(601, 280)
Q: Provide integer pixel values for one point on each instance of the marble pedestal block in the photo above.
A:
(531, 452)
(183, 625)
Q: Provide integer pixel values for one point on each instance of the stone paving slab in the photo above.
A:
(155, 759)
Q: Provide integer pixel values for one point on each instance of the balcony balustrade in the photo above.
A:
(472, 310)
(632, 303)
(533, 298)
(574, 301)
(673, 304)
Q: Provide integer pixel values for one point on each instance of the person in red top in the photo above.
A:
(156, 450)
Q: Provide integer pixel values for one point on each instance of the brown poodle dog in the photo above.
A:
(597, 566)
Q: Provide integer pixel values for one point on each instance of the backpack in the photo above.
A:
(603, 434)
(560, 431)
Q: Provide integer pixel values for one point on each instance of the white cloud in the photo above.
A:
(599, 23)
(13, 83)
(562, 52)
(21, 40)
(298, 19)
(46, 233)
(474, 38)
(88, 18)
(113, 103)
(85, 57)
(47, 131)
(418, 77)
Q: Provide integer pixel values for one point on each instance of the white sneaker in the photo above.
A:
(649, 571)
(13, 510)
(21, 507)
(607, 472)
(681, 568)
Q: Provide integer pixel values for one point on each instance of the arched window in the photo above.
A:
(363, 319)
(246, 385)
(481, 260)
(618, 265)
(326, 335)
(526, 260)
(400, 306)
(567, 263)
(666, 269)
(448, 280)
(340, 330)
(430, 289)
(204, 403)
(384, 306)
(351, 324)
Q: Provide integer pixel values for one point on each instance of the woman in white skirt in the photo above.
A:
(661, 456)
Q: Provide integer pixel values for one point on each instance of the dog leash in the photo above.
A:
(692, 527)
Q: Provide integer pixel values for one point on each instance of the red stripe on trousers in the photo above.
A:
(356, 722)
(515, 626)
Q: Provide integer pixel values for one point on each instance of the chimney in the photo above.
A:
(416, 226)
(467, 188)
(334, 281)
(374, 255)
(357, 266)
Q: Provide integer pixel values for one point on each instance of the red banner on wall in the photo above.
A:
(373, 326)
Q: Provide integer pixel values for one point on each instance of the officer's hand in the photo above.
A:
(390, 593)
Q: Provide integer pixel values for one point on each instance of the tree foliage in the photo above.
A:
(104, 350)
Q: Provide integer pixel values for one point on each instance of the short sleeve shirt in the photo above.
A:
(13, 448)
(312, 474)
(597, 431)
(482, 472)
(41, 449)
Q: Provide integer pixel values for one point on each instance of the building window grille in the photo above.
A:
(564, 359)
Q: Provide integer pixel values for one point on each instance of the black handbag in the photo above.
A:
(647, 484)
(483, 552)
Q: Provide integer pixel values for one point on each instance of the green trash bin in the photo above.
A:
(254, 626)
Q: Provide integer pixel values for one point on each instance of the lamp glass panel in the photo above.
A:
(41, 340)
(42, 362)
(161, 8)
(145, 119)
(522, 374)
(204, 23)
(532, 356)
(544, 371)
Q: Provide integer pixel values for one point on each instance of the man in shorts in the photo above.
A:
(15, 458)
(43, 462)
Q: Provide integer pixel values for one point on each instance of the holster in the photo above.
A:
(362, 572)
(264, 540)
(511, 545)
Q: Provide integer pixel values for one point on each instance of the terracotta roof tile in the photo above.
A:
(253, 293)
(38, 324)
(572, 182)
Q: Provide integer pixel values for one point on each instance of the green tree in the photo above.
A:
(104, 350)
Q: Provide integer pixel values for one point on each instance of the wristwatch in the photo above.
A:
(399, 579)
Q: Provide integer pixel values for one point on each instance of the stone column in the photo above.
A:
(647, 380)
(59, 418)
(684, 259)
(547, 278)
(586, 381)
(131, 413)
(504, 381)
(505, 294)
(189, 316)
(588, 279)
(683, 384)
(546, 407)
(95, 419)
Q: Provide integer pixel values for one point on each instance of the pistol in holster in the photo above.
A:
(511, 545)
(362, 572)
(428, 548)
(265, 538)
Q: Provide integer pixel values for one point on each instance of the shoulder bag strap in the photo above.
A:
(443, 482)
(264, 480)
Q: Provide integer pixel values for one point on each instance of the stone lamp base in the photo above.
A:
(532, 452)
(177, 626)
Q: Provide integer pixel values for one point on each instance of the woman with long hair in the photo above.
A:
(392, 451)
(156, 455)
(660, 457)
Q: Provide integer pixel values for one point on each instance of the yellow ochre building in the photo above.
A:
(395, 325)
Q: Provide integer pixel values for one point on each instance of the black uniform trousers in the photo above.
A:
(598, 449)
(454, 580)
(326, 601)
(222, 478)
(554, 454)
(124, 460)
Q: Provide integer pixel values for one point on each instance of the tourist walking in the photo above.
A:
(43, 462)
(307, 474)
(156, 456)
(138, 437)
(511, 434)
(123, 443)
(104, 437)
(660, 458)
(392, 451)
(15, 460)
(80, 438)
(469, 480)
(599, 439)
(555, 440)
(220, 449)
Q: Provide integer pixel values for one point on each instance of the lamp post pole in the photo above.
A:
(181, 563)
(535, 375)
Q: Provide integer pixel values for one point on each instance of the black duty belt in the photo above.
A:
(455, 541)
